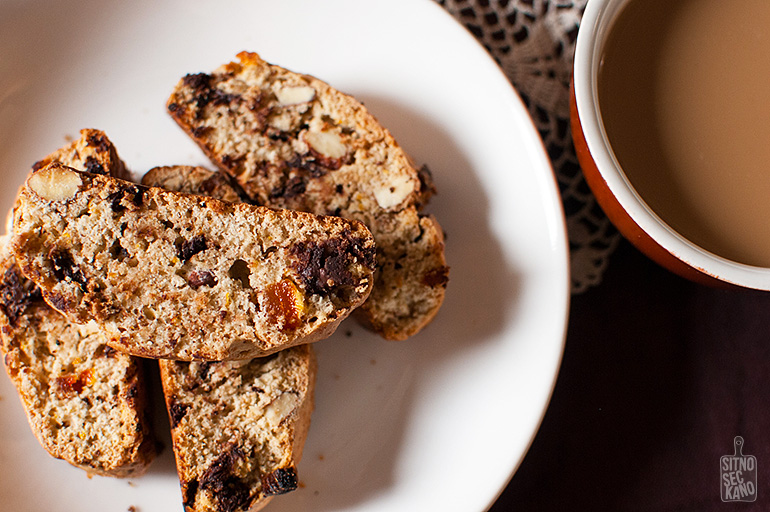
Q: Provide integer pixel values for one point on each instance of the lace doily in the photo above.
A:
(534, 41)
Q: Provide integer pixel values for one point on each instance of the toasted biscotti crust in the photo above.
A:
(239, 427)
(85, 402)
(292, 141)
(178, 276)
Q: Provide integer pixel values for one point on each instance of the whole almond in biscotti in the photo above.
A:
(293, 141)
(178, 276)
(84, 401)
(239, 427)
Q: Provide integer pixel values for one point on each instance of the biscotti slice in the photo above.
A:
(292, 141)
(411, 275)
(239, 427)
(177, 276)
(84, 401)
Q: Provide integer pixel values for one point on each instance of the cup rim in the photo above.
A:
(594, 27)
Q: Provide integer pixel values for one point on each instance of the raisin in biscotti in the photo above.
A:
(292, 141)
(239, 427)
(177, 276)
(85, 402)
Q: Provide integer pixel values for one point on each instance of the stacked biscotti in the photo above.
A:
(177, 276)
(238, 425)
(292, 141)
(238, 428)
(302, 272)
(225, 277)
(84, 400)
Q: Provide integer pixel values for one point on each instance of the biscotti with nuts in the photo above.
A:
(84, 401)
(177, 276)
(292, 141)
(239, 427)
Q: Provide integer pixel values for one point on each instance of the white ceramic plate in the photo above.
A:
(439, 422)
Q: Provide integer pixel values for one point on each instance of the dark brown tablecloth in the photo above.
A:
(659, 376)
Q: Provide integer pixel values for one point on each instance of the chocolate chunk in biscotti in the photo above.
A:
(85, 402)
(292, 141)
(239, 427)
(138, 270)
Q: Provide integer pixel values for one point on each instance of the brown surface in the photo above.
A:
(659, 375)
